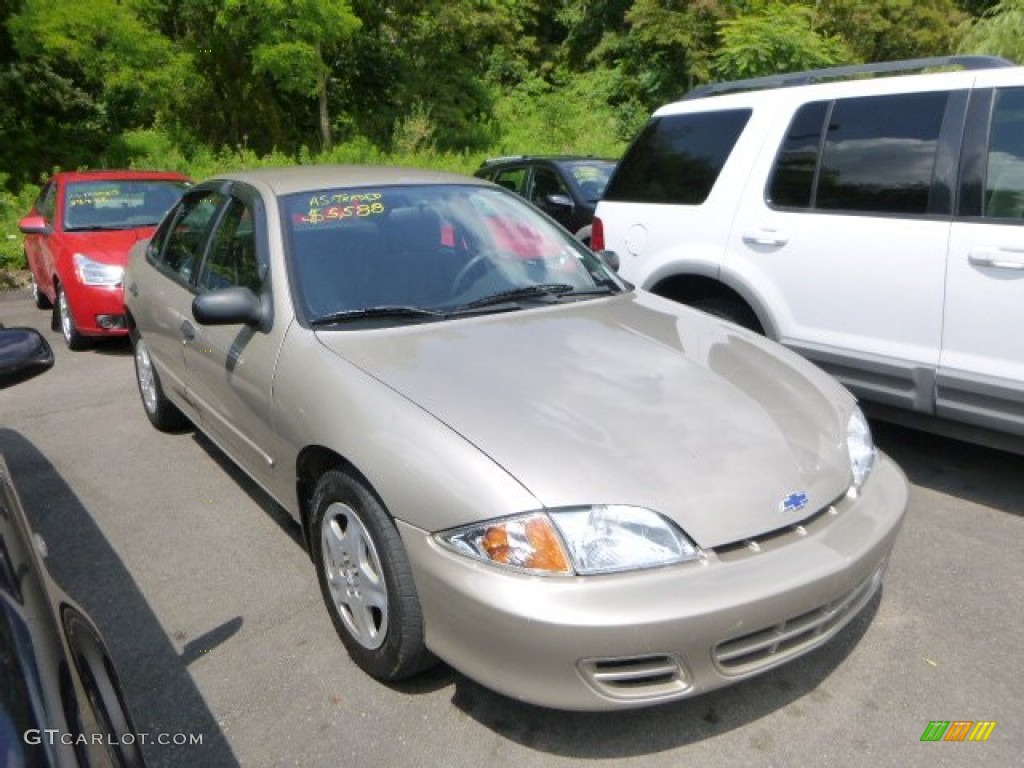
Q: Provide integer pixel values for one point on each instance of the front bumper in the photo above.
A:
(629, 640)
(98, 310)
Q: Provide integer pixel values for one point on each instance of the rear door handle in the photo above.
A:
(188, 331)
(765, 238)
(997, 258)
(133, 289)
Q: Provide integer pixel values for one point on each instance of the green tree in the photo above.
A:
(889, 30)
(1000, 32)
(295, 40)
(774, 37)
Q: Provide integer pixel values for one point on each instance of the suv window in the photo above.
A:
(1004, 186)
(511, 178)
(545, 182)
(677, 158)
(878, 154)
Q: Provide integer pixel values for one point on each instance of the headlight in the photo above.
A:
(582, 540)
(92, 272)
(861, 448)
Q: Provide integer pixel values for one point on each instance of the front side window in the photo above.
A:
(182, 249)
(677, 158)
(118, 204)
(232, 258)
(545, 183)
(1004, 186)
(47, 202)
(879, 153)
(439, 248)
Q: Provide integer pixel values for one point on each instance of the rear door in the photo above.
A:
(981, 372)
(846, 242)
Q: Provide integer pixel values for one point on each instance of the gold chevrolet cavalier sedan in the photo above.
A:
(501, 454)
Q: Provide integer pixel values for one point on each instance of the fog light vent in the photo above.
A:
(636, 678)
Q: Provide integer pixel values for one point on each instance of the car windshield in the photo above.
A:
(118, 204)
(591, 176)
(392, 252)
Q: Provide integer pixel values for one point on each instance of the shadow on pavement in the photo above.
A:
(974, 473)
(160, 691)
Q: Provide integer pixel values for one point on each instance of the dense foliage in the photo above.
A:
(202, 85)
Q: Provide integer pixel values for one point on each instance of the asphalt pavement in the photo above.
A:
(211, 609)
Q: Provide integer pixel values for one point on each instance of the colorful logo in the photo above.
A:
(794, 502)
(958, 730)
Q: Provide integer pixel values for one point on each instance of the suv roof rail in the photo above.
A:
(830, 73)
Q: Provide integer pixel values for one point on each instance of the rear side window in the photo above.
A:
(877, 156)
(1004, 187)
(676, 159)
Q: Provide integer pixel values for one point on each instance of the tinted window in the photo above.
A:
(545, 182)
(591, 176)
(1004, 186)
(511, 178)
(182, 251)
(47, 202)
(792, 181)
(880, 153)
(232, 258)
(677, 158)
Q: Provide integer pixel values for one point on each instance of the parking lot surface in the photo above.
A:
(212, 612)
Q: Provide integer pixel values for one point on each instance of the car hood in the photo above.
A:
(628, 400)
(111, 246)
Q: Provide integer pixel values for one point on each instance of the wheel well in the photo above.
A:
(690, 289)
(312, 462)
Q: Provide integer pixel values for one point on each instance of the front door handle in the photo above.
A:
(133, 289)
(188, 331)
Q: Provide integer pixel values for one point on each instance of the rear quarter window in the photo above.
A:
(676, 159)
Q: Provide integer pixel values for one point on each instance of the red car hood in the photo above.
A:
(111, 245)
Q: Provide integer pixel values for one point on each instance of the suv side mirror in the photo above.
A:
(610, 259)
(24, 353)
(561, 201)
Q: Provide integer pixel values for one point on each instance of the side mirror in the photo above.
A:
(236, 305)
(24, 353)
(34, 225)
(561, 201)
(610, 259)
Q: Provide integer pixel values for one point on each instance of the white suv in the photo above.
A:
(875, 225)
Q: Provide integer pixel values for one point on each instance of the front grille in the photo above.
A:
(642, 677)
(771, 645)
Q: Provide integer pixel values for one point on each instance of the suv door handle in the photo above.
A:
(765, 237)
(997, 258)
(188, 331)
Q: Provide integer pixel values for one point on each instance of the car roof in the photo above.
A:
(111, 174)
(304, 178)
(512, 159)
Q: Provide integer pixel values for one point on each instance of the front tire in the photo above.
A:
(161, 412)
(366, 580)
(66, 322)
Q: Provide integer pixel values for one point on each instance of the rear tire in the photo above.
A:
(161, 412)
(42, 301)
(730, 310)
(366, 579)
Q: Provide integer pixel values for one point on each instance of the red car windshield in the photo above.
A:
(118, 204)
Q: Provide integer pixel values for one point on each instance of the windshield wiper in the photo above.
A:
(515, 294)
(372, 313)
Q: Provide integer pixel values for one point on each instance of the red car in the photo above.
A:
(77, 238)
